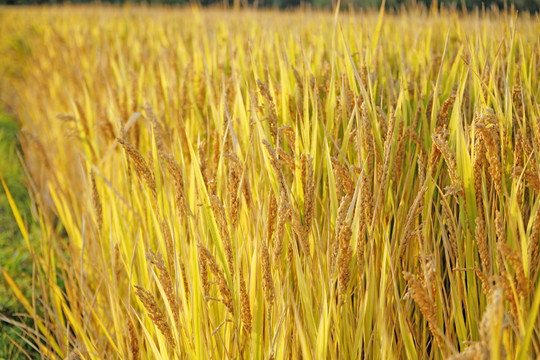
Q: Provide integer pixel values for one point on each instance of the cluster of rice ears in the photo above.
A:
(280, 185)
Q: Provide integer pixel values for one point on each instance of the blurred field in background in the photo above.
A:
(532, 6)
(214, 184)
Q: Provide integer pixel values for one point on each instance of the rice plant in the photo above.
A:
(279, 185)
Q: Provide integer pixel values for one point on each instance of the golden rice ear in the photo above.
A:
(481, 242)
(364, 219)
(283, 215)
(420, 295)
(343, 177)
(533, 249)
(409, 231)
(272, 118)
(169, 246)
(245, 308)
(164, 277)
(344, 260)
(141, 166)
(267, 281)
(203, 272)
(439, 140)
(400, 154)
(488, 125)
(514, 259)
(156, 314)
(96, 201)
(308, 177)
(178, 177)
(221, 219)
(340, 223)
(133, 341)
(442, 118)
(224, 289)
(271, 220)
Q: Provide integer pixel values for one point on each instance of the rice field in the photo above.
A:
(216, 184)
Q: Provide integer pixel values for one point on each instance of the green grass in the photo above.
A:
(15, 258)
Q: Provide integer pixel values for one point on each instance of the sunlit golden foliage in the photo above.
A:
(280, 185)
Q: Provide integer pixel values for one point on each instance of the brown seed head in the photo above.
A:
(141, 167)
(533, 248)
(96, 201)
(427, 308)
(221, 220)
(309, 190)
(481, 242)
(244, 304)
(275, 165)
(220, 277)
(166, 282)
(343, 178)
(156, 315)
(176, 173)
(169, 245)
(340, 222)
(414, 212)
(267, 281)
(513, 257)
(344, 259)
(442, 118)
(133, 340)
(283, 215)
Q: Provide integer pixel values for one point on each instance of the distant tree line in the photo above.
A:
(532, 6)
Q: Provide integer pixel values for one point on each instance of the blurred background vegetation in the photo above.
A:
(15, 259)
(520, 5)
